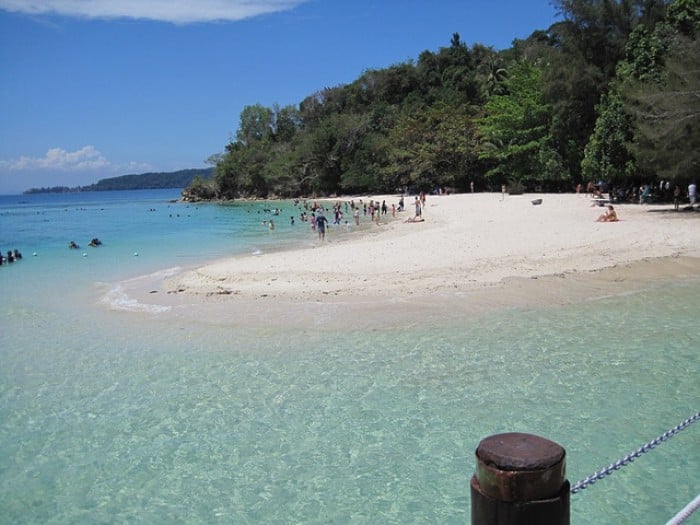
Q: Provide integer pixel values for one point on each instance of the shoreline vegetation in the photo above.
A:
(549, 114)
(472, 253)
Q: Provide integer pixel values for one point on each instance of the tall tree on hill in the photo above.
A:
(667, 115)
(590, 42)
(492, 72)
(256, 123)
(647, 125)
(285, 123)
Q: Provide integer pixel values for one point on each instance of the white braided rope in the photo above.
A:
(685, 512)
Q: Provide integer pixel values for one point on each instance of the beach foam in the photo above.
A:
(118, 299)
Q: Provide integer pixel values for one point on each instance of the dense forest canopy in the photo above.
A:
(610, 92)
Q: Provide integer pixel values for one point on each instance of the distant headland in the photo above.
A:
(144, 181)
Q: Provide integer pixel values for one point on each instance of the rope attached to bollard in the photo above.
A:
(629, 458)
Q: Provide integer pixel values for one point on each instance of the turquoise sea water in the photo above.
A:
(109, 416)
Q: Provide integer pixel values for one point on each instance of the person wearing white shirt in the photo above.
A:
(692, 193)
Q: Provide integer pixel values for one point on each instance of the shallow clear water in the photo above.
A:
(111, 416)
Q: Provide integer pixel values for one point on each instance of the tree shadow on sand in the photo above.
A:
(685, 211)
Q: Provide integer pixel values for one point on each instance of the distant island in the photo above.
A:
(144, 181)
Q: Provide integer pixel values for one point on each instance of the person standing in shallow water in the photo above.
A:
(321, 222)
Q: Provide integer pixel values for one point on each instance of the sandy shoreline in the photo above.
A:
(473, 252)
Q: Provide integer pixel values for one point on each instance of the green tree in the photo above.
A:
(514, 132)
(667, 115)
(256, 123)
(228, 170)
(597, 30)
(590, 42)
(327, 149)
(684, 16)
(430, 147)
(493, 73)
(285, 123)
(607, 155)
(646, 125)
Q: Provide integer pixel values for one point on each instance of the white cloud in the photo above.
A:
(57, 159)
(59, 167)
(86, 158)
(174, 11)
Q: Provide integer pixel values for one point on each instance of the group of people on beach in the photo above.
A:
(10, 257)
(646, 193)
(320, 218)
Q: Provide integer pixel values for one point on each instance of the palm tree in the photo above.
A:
(494, 74)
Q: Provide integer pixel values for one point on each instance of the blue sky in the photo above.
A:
(100, 88)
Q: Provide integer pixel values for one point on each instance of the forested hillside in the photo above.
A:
(151, 181)
(144, 181)
(611, 92)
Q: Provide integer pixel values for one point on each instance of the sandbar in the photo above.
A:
(472, 253)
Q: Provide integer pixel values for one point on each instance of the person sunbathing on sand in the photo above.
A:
(417, 218)
(609, 216)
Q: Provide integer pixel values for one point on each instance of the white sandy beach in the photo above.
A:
(472, 250)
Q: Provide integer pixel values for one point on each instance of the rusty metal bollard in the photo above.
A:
(519, 480)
